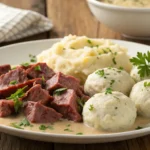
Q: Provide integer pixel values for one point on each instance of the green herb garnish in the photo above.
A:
(59, 91)
(120, 68)
(37, 68)
(15, 97)
(32, 58)
(24, 122)
(67, 129)
(79, 133)
(43, 127)
(112, 82)
(91, 107)
(25, 64)
(15, 125)
(142, 61)
(146, 84)
(108, 91)
(89, 41)
(100, 72)
(114, 60)
(13, 82)
(138, 128)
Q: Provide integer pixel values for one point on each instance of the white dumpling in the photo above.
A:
(140, 95)
(116, 79)
(111, 112)
(136, 76)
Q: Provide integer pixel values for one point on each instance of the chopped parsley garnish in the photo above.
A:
(43, 127)
(142, 61)
(108, 91)
(100, 72)
(13, 68)
(120, 68)
(59, 91)
(13, 82)
(79, 133)
(32, 58)
(69, 130)
(72, 48)
(80, 103)
(25, 64)
(24, 122)
(91, 107)
(15, 125)
(89, 41)
(43, 79)
(68, 125)
(146, 84)
(15, 97)
(138, 128)
(112, 82)
(114, 60)
(116, 107)
(37, 68)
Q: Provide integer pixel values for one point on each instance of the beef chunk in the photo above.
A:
(40, 70)
(37, 94)
(8, 90)
(13, 77)
(38, 113)
(6, 107)
(66, 104)
(60, 80)
(4, 69)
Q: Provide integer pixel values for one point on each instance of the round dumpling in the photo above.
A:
(134, 74)
(116, 79)
(140, 95)
(111, 112)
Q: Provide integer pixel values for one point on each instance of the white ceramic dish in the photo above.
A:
(18, 53)
(133, 22)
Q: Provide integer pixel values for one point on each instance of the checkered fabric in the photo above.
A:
(18, 23)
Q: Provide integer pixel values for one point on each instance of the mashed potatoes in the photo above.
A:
(80, 56)
(140, 95)
(116, 79)
(111, 112)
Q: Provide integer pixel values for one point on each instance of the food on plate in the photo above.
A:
(140, 70)
(129, 3)
(79, 56)
(136, 76)
(43, 95)
(113, 78)
(112, 112)
(140, 95)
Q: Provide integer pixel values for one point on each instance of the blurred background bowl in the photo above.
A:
(134, 22)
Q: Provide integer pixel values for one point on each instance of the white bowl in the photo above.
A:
(129, 21)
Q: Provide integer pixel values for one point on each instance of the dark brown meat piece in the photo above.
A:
(60, 80)
(66, 104)
(38, 113)
(4, 69)
(40, 70)
(37, 94)
(6, 107)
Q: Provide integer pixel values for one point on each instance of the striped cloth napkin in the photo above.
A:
(18, 23)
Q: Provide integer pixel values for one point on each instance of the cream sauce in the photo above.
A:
(129, 3)
(69, 127)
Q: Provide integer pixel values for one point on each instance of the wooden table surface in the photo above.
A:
(68, 17)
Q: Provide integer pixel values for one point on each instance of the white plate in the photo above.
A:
(18, 53)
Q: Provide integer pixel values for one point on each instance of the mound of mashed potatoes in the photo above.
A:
(140, 95)
(111, 112)
(101, 79)
(79, 56)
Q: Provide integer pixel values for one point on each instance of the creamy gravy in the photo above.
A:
(129, 3)
(69, 127)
